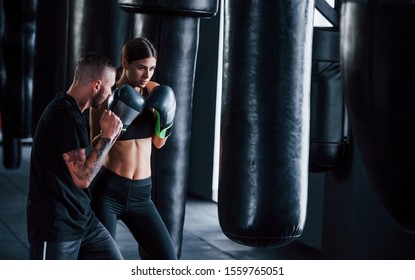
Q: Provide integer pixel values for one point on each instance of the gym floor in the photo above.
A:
(202, 236)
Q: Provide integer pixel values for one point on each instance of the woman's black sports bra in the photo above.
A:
(142, 126)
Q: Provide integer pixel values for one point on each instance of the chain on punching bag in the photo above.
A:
(265, 121)
(328, 119)
(173, 28)
(378, 58)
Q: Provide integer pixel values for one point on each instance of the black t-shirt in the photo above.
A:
(57, 210)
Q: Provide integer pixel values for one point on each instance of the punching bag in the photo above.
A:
(173, 28)
(67, 30)
(328, 119)
(264, 151)
(2, 67)
(12, 146)
(51, 54)
(18, 51)
(378, 60)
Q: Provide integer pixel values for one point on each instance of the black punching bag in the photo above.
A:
(2, 67)
(65, 31)
(173, 28)
(328, 119)
(18, 56)
(12, 146)
(263, 177)
(378, 60)
(51, 54)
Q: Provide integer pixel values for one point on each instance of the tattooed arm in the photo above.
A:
(82, 168)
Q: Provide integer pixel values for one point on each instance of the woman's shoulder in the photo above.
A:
(151, 85)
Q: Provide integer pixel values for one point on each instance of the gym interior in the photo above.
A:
(292, 127)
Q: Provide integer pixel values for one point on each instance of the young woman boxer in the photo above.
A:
(123, 188)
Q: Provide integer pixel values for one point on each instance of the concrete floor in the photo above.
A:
(202, 236)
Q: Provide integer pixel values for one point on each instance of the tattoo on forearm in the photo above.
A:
(78, 160)
(104, 144)
(100, 150)
(75, 157)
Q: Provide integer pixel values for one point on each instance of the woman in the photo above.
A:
(123, 188)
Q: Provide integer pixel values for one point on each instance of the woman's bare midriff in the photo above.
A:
(130, 158)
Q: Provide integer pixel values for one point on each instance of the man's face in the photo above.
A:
(105, 89)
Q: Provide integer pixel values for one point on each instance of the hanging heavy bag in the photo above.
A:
(263, 177)
(328, 118)
(18, 55)
(377, 58)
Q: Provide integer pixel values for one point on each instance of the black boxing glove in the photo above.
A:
(163, 101)
(127, 104)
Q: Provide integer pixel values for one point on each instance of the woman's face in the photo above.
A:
(139, 72)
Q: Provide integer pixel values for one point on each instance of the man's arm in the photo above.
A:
(83, 169)
(94, 117)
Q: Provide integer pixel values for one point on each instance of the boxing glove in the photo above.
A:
(163, 101)
(127, 104)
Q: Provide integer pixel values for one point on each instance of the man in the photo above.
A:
(60, 222)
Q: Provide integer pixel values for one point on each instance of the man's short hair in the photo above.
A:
(92, 67)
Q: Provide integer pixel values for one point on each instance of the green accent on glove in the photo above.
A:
(162, 132)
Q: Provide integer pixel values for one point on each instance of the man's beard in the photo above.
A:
(98, 100)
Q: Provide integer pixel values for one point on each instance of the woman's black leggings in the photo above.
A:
(115, 197)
